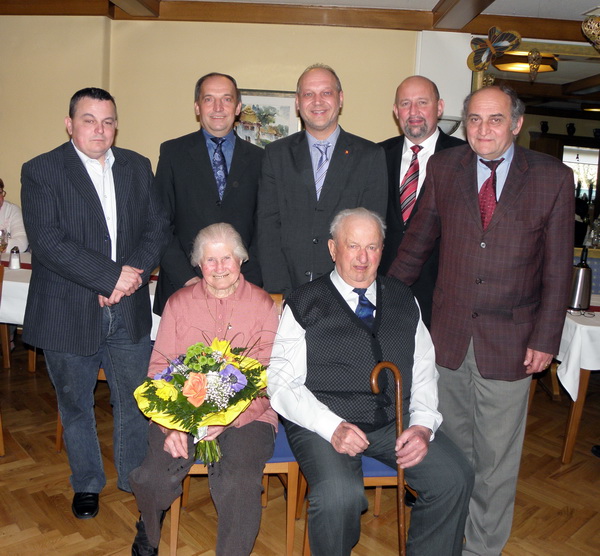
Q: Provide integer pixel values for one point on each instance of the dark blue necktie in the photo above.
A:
(364, 310)
(219, 165)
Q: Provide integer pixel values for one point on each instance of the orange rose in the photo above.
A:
(194, 389)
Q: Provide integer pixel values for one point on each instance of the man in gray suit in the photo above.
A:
(205, 177)
(96, 231)
(309, 177)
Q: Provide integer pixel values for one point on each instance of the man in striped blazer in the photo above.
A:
(96, 231)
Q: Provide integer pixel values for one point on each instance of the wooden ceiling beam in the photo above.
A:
(528, 27)
(411, 20)
(55, 7)
(233, 12)
(455, 14)
(582, 87)
(139, 8)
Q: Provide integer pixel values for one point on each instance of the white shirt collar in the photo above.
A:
(109, 158)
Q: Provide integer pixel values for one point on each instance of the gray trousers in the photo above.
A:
(486, 419)
(443, 481)
(235, 484)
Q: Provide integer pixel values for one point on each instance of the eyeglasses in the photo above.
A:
(587, 314)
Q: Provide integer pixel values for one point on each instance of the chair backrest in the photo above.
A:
(278, 299)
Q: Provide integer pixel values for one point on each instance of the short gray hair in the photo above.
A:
(340, 217)
(221, 232)
(517, 106)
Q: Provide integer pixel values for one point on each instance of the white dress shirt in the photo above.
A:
(288, 367)
(102, 178)
(423, 157)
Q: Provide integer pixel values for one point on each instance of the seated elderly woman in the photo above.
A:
(225, 306)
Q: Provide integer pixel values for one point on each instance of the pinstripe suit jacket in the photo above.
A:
(506, 287)
(293, 226)
(71, 247)
(186, 184)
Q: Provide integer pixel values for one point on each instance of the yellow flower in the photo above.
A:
(165, 390)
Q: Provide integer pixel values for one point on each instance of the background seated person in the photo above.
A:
(11, 220)
(319, 382)
(223, 305)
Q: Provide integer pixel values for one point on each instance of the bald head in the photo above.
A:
(418, 107)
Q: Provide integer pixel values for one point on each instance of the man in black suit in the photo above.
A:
(96, 230)
(205, 177)
(417, 107)
(309, 177)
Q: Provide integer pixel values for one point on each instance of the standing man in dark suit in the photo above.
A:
(309, 177)
(206, 177)
(505, 218)
(418, 107)
(96, 230)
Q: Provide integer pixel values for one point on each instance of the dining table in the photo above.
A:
(16, 286)
(579, 355)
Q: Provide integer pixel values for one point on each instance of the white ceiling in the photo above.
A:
(547, 9)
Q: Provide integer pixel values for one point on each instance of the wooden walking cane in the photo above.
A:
(375, 388)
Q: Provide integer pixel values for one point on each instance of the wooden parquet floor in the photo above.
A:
(557, 509)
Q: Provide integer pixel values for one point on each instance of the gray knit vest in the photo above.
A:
(342, 350)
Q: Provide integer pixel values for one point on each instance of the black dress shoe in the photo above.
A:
(596, 450)
(85, 505)
(141, 544)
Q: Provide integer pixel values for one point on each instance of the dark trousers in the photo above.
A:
(443, 481)
(74, 377)
(235, 484)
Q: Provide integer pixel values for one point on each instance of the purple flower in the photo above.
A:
(166, 374)
(234, 377)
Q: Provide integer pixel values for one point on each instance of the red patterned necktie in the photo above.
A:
(408, 187)
(487, 193)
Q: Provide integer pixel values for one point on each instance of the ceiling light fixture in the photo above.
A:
(591, 30)
(518, 61)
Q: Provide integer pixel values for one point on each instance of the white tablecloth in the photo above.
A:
(579, 349)
(16, 286)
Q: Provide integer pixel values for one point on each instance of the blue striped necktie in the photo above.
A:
(322, 166)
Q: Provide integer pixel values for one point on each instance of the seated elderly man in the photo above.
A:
(332, 333)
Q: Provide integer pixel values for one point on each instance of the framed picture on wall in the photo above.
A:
(267, 116)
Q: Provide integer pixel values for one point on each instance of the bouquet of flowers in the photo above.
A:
(209, 385)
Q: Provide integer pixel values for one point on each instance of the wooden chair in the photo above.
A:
(282, 464)
(5, 343)
(553, 390)
(375, 474)
(59, 427)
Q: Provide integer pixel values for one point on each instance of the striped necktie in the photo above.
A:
(487, 193)
(408, 187)
(322, 166)
(219, 165)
